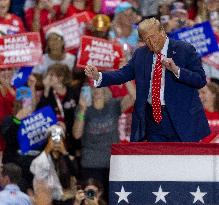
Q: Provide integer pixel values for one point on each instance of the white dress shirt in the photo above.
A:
(163, 54)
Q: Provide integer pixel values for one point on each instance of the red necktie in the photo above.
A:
(156, 84)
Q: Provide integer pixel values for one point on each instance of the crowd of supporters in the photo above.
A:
(74, 169)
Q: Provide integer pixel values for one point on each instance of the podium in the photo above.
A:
(164, 173)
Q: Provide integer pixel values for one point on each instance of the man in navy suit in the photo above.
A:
(168, 74)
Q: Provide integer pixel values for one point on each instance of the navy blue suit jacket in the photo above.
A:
(180, 95)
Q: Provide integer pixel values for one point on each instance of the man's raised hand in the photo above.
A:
(92, 72)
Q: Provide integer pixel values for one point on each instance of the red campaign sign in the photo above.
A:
(103, 54)
(18, 50)
(71, 31)
(83, 17)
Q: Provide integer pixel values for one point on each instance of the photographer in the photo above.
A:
(53, 166)
(90, 193)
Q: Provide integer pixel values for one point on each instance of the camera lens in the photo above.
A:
(90, 194)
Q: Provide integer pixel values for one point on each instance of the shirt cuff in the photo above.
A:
(98, 82)
(178, 73)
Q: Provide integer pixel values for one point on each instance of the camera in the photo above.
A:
(90, 194)
(56, 138)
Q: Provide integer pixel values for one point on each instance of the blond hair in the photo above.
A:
(145, 25)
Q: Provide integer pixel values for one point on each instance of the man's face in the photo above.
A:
(154, 39)
(4, 7)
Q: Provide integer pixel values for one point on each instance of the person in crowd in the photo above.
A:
(97, 126)
(54, 166)
(202, 12)
(213, 14)
(41, 15)
(7, 93)
(9, 131)
(123, 29)
(10, 176)
(192, 8)
(163, 14)
(69, 8)
(17, 7)
(55, 52)
(9, 23)
(148, 8)
(120, 91)
(161, 69)
(178, 17)
(90, 193)
(62, 97)
(7, 97)
(10, 125)
(210, 99)
(100, 26)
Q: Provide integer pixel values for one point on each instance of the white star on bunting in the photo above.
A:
(198, 195)
(123, 195)
(160, 195)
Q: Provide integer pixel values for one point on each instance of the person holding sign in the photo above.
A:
(9, 23)
(55, 52)
(168, 74)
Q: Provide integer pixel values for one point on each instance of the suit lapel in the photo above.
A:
(170, 52)
(148, 61)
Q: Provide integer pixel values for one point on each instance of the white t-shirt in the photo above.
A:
(69, 60)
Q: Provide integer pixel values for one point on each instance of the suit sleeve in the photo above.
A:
(193, 74)
(123, 75)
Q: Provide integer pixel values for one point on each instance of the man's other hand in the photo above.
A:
(92, 72)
